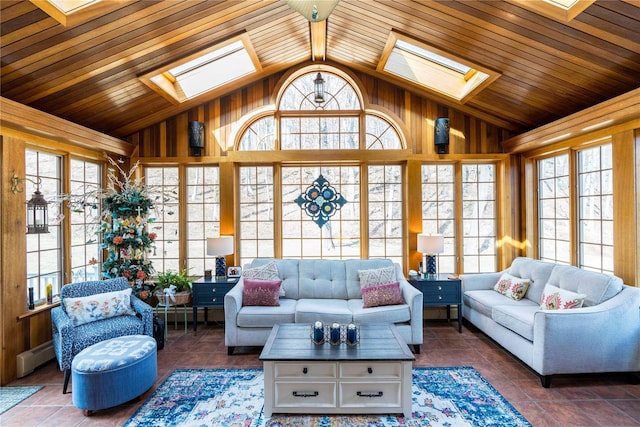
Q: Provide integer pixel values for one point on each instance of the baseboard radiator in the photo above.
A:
(29, 360)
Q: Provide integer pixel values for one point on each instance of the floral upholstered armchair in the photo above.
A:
(95, 311)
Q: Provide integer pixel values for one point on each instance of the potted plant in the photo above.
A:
(173, 288)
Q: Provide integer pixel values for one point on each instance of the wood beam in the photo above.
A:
(27, 123)
(318, 39)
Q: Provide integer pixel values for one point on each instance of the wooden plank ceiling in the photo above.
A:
(88, 72)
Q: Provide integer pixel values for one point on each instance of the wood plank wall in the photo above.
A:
(167, 140)
(167, 143)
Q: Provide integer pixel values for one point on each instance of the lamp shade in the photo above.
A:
(431, 243)
(313, 10)
(219, 246)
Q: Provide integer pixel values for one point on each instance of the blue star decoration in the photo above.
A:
(320, 201)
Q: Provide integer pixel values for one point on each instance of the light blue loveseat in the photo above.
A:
(325, 290)
(601, 336)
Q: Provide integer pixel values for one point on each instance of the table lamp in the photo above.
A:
(430, 245)
(219, 247)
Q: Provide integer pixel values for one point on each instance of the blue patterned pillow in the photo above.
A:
(87, 309)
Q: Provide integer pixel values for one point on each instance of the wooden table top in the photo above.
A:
(378, 341)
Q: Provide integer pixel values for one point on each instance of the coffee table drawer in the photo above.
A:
(306, 394)
(371, 370)
(304, 370)
(370, 395)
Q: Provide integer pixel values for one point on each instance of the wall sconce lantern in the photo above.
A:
(37, 206)
(318, 89)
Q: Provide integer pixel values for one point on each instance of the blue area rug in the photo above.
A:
(234, 397)
(11, 396)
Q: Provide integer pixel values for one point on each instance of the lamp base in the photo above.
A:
(221, 268)
(431, 267)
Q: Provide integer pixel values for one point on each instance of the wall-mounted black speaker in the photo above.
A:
(196, 137)
(441, 137)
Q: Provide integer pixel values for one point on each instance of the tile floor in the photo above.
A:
(591, 400)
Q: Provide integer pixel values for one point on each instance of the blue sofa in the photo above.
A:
(325, 290)
(601, 336)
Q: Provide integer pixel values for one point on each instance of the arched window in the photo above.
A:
(354, 226)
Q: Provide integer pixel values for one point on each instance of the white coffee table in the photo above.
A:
(373, 377)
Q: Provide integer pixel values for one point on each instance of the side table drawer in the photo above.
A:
(308, 394)
(210, 294)
(367, 394)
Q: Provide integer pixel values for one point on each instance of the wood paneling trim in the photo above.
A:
(32, 121)
(622, 109)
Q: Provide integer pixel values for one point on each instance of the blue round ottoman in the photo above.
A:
(113, 372)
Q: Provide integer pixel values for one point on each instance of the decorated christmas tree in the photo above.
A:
(126, 209)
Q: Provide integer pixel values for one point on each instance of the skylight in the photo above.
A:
(208, 70)
(74, 12)
(70, 6)
(560, 10)
(433, 69)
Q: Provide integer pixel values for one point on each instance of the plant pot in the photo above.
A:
(181, 298)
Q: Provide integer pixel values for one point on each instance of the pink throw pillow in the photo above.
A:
(261, 292)
(378, 295)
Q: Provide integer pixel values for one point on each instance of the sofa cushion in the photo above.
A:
(325, 310)
(597, 287)
(269, 271)
(484, 300)
(261, 292)
(94, 307)
(354, 290)
(554, 298)
(265, 317)
(383, 314)
(538, 273)
(517, 318)
(511, 286)
(379, 295)
(324, 279)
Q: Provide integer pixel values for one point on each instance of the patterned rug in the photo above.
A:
(11, 396)
(448, 397)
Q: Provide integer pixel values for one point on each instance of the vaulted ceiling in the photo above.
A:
(88, 72)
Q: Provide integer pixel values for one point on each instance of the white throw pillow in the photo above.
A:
(377, 276)
(87, 309)
(268, 271)
(554, 298)
(511, 286)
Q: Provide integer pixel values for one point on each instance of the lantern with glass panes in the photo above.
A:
(37, 206)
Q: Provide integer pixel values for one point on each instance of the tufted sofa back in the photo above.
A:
(322, 278)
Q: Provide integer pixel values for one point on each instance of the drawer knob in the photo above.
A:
(362, 394)
(305, 393)
(439, 287)
(214, 299)
(439, 296)
(305, 370)
(370, 370)
(213, 289)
